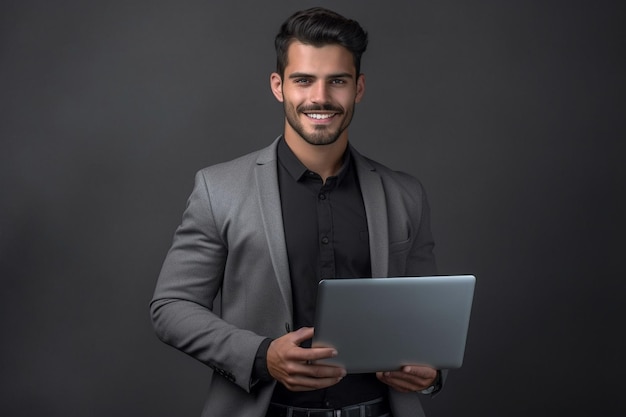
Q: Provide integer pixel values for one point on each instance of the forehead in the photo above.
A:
(319, 60)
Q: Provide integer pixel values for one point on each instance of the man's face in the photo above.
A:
(318, 90)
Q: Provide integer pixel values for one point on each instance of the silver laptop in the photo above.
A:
(380, 324)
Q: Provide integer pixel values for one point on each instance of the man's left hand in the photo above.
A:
(410, 378)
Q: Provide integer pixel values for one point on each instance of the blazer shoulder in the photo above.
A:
(240, 168)
(239, 164)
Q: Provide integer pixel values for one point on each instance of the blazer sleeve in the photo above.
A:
(421, 260)
(411, 242)
(182, 309)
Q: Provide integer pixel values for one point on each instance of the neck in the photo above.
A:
(325, 160)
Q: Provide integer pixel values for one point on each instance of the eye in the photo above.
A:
(338, 81)
(301, 81)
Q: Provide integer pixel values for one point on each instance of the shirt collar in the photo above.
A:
(298, 171)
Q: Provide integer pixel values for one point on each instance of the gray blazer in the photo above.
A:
(225, 283)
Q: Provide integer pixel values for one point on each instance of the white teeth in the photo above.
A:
(319, 116)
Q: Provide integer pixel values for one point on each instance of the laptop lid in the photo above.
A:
(381, 324)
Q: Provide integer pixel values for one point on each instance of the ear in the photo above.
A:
(276, 84)
(360, 88)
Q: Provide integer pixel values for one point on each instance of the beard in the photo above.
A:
(321, 134)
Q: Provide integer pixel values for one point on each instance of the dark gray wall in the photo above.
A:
(512, 114)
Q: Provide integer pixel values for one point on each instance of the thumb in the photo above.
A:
(302, 334)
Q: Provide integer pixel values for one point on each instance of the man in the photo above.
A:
(259, 232)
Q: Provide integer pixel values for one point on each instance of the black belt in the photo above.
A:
(375, 408)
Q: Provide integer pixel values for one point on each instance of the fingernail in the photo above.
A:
(335, 353)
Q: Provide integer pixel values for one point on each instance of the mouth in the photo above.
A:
(320, 117)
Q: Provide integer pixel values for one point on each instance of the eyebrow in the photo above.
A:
(305, 75)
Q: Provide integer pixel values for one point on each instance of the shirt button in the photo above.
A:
(325, 240)
(322, 196)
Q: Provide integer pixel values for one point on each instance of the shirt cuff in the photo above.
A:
(260, 372)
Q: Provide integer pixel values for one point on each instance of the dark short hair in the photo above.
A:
(318, 27)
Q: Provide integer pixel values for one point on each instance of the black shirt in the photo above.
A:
(326, 235)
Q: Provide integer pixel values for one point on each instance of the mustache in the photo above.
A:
(323, 107)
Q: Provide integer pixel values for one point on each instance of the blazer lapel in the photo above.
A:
(271, 212)
(376, 212)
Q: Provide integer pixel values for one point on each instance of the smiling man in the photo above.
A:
(319, 87)
(319, 92)
(259, 232)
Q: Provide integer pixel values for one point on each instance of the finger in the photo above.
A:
(309, 354)
(423, 372)
(314, 354)
(403, 378)
(309, 377)
(396, 383)
(302, 334)
(303, 383)
(416, 375)
(410, 378)
(304, 355)
(321, 371)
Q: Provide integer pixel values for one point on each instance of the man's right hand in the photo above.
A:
(295, 367)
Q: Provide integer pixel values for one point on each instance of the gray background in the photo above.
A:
(511, 113)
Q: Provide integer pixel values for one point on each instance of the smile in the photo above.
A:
(320, 116)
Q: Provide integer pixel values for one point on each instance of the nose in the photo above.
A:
(319, 93)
